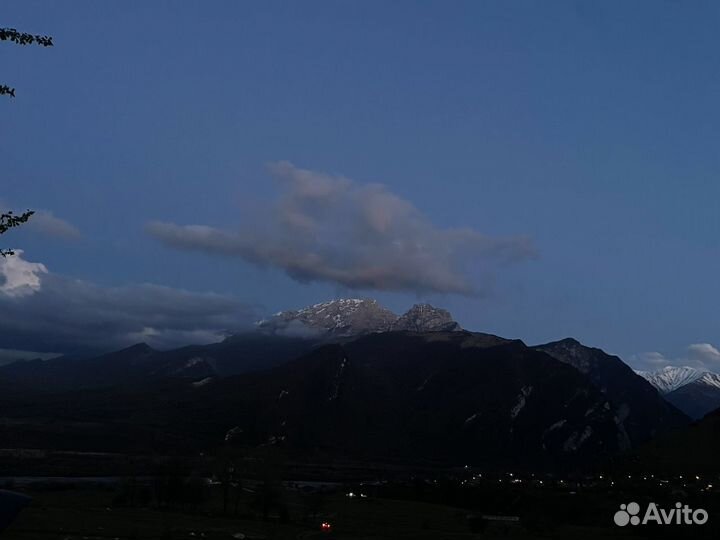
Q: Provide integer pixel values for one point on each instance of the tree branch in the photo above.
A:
(23, 38)
(10, 220)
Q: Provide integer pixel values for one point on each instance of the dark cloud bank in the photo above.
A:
(43, 311)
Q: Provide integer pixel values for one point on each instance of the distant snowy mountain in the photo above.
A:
(354, 317)
(710, 379)
(671, 378)
(693, 391)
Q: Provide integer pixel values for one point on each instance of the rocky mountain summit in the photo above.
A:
(426, 318)
(354, 317)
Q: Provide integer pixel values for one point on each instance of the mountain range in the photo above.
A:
(344, 378)
(355, 317)
(694, 391)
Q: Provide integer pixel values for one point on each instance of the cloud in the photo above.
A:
(43, 311)
(47, 223)
(698, 355)
(361, 236)
(704, 354)
(13, 355)
(19, 277)
(294, 328)
(649, 361)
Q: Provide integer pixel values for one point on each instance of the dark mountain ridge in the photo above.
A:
(692, 450)
(141, 363)
(698, 398)
(440, 395)
(641, 410)
(453, 397)
(282, 338)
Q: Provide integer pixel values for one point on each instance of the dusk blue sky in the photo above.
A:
(580, 136)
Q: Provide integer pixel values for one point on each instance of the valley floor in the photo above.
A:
(90, 514)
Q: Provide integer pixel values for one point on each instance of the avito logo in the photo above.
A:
(629, 514)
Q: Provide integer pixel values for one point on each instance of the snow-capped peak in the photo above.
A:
(355, 316)
(345, 316)
(671, 378)
(711, 379)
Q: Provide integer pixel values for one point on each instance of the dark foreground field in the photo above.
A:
(89, 515)
(126, 509)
